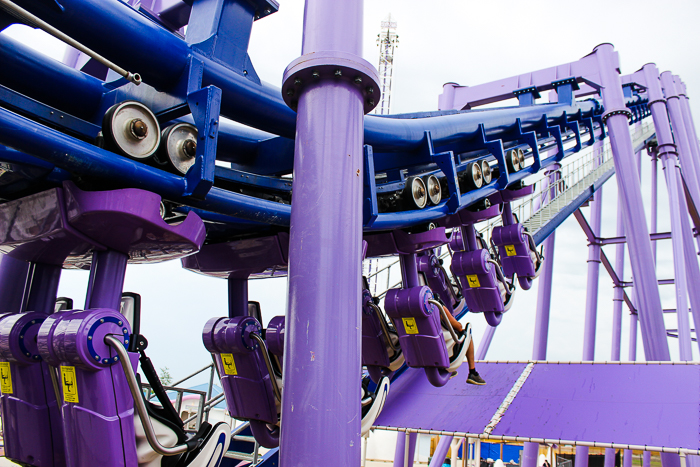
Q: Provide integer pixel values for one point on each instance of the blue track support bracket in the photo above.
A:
(588, 123)
(529, 138)
(495, 147)
(370, 211)
(205, 105)
(527, 96)
(599, 120)
(565, 124)
(446, 162)
(555, 132)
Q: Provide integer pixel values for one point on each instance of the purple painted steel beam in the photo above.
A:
(320, 409)
(106, 280)
(618, 291)
(667, 154)
(688, 119)
(593, 272)
(14, 278)
(654, 197)
(441, 451)
(680, 135)
(641, 256)
(459, 97)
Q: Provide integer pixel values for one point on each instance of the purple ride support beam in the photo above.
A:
(680, 135)
(681, 232)
(544, 296)
(320, 409)
(688, 120)
(591, 290)
(641, 257)
(13, 278)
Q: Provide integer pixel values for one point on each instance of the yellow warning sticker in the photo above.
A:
(229, 364)
(5, 378)
(409, 324)
(70, 385)
(473, 280)
(510, 250)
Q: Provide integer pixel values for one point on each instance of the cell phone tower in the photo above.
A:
(387, 40)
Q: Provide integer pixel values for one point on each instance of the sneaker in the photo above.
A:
(474, 378)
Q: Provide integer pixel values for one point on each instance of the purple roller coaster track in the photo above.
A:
(156, 138)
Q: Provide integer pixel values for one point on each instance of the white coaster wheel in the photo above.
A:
(131, 129)
(179, 147)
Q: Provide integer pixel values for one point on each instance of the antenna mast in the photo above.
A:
(387, 40)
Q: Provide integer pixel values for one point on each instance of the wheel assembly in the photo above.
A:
(178, 148)
(486, 172)
(415, 194)
(434, 189)
(131, 129)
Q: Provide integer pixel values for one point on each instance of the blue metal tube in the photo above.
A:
(160, 57)
(49, 81)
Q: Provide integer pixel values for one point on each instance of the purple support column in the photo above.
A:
(106, 280)
(618, 291)
(43, 286)
(403, 456)
(544, 292)
(237, 296)
(641, 257)
(680, 135)
(400, 451)
(646, 459)
(654, 197)
(593, 272)
(13, 278)
(327, 85)
(688, 119)
(441, 451)
(609, 457)
(667, 154)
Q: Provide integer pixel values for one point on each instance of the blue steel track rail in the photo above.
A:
(400, 144)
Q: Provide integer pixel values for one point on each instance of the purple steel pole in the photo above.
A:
(654, 197)
(403, 456)
(43, 284)
(14, 278)
(618, 291)
(441, 451)
(667, 154)
(688, 119)
(544, 292)
(641, 257)
(673, 104)
(593, 272)
(320, 409)
(106, 280)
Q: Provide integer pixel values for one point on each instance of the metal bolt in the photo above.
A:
(105, 361)
(316, 74)
(290, 92)
(358, 79)
(370, 89)
(102, 321)
(89, 338)
(126, 341)
(21, 337)
(28, 354)
(116, 358)
(371, 102)
(97, 357)
(338, 73)
(124, 331)
(120, 323)
(33, 321)
(138, 128)
(297, 81)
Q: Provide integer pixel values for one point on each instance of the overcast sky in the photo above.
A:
(467, 42)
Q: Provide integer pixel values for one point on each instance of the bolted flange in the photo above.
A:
(334, 66)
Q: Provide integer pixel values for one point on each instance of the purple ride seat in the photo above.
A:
(418, 325)
(244, 376)
(480, 284)
(514, 248)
